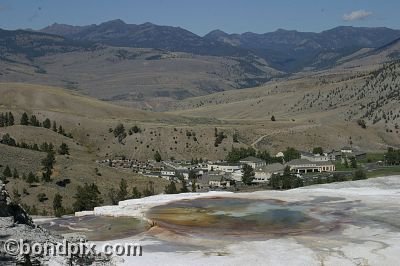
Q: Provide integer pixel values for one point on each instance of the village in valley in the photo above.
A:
(238, 171)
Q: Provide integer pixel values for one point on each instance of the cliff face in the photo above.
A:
(8, 209)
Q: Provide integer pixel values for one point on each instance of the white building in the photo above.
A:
(306, 166)
(263, 174)
(314, 157)
(224, 167)
(253, 162)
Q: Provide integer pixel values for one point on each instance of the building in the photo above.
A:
(214, 181)
(168, 173)
(253, 162)
(224, 167)
(347, 153)
(314, 157)
(263, 174)
(302, 166)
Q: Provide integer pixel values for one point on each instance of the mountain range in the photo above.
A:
(148, 65)
(284, 50)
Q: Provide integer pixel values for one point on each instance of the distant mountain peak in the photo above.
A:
(114, 22)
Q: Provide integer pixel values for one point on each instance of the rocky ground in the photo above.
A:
(16, 224)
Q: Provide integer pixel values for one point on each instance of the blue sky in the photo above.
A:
(202, 16)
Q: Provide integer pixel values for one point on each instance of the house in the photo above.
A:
(306, 166)
(168, 173)
(263, 174)
(347, 153)
(253, 162)
(214, 181)
(224, 167)
(314, 157)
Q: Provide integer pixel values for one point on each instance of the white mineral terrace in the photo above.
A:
(370, 234)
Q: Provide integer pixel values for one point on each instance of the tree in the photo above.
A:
(47, 123)
(136, 193)
(248, 174)
(359, 175)
(61, 130)
(31, 178)
(24, 119)
(353, 162)
(346, 163)
(123, 190)
(318, 150)
(149, 190)
(7, 172)
(42, 197)
(112, 195)
(119, 132)
(87, 197)
(57, 205)
(63, 149)
(10, 119)
(273, 118)
(16, 196)
(48, 164)
(193, 185)
(34, 121)
(184, 188)
(171, 188)
(291, 154)
(15, 173)
(362, 123)
(54, 128)
(7, 140)
(157, 157)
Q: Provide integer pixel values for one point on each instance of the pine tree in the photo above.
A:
(47, 123)
(2, 120)
(171, 188)
(24, 119)
(136, 194)
(63, 150)
(7, 172)
(54, 126)
(57, 205)
(10, 119)
(123, 190)
(157, 157)
(15, 173)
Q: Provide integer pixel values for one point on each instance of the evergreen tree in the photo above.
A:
(47, 123)
(353, 162)
(57, 205)
(157, 157)
(87, 198)
(123, 190)
(34, 121)
(7, 172)
(171, 188)
(10, 119)
(54, 126)
(248, 174)
(15, 173)
(61, 130)
(2, 120)
(136, 193)
(31, 178)
(63, 150)
(24, 119)
(184, 188)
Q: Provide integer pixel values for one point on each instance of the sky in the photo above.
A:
(202, 16)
